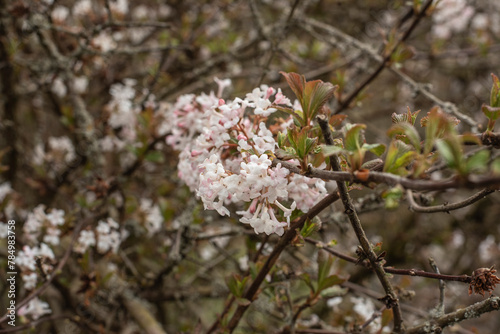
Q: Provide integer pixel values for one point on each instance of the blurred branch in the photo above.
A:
(309, 24)
(62, 262)
(391, 270)
(385, 60)
(472, 311)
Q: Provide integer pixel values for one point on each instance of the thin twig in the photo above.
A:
(386, 60)
(446, 207)
(440, 306)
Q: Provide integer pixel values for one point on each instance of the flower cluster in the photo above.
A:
(226, 157)
(107, 237)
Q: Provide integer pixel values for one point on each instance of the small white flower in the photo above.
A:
(35, 308)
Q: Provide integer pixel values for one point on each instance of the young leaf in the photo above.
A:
(307, 279)
(399, 155)
(492, 113)
(316, 94)
(495, 166)
(392, 197)
(451, 152)
(324, 267)
(297, 83)
(329, 150)
(495, 92)
(336, 120)
(408, 131)
(243, 301)
(330, 281)
(377, 149)
(312, 95)
(478, 162)
(353, 137)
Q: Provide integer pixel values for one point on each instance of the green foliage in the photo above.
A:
(399, 155)
(324, 280)
(392, 197)
(495, 92)
(354, 147)
(237, 287)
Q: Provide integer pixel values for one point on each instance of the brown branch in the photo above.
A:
(393, 180)
(385, 61)
(403, 272)
(472, 311)
(285, 240)
(308, 24)
(447, 207)
(391, 297)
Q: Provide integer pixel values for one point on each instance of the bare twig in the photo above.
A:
(447, 207)
(439, 310)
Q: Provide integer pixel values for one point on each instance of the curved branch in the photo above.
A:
(446, 207)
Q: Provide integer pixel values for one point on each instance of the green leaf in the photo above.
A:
(437, 124)
(492, 113)
(236, 285)
(377, 149)
(232, 284)
(329, 150)
(324, 267)
(495, 92)
(155, 156)
(307, 279)
(392, 197)
(399, 155)
(408, 131)
(310, 226)
(286, 154)
(329, 282)
(353, 137)
(281, 139)
(478, 162)
(495, 166)
(451, 152)
(297, 114)
(310, 144)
